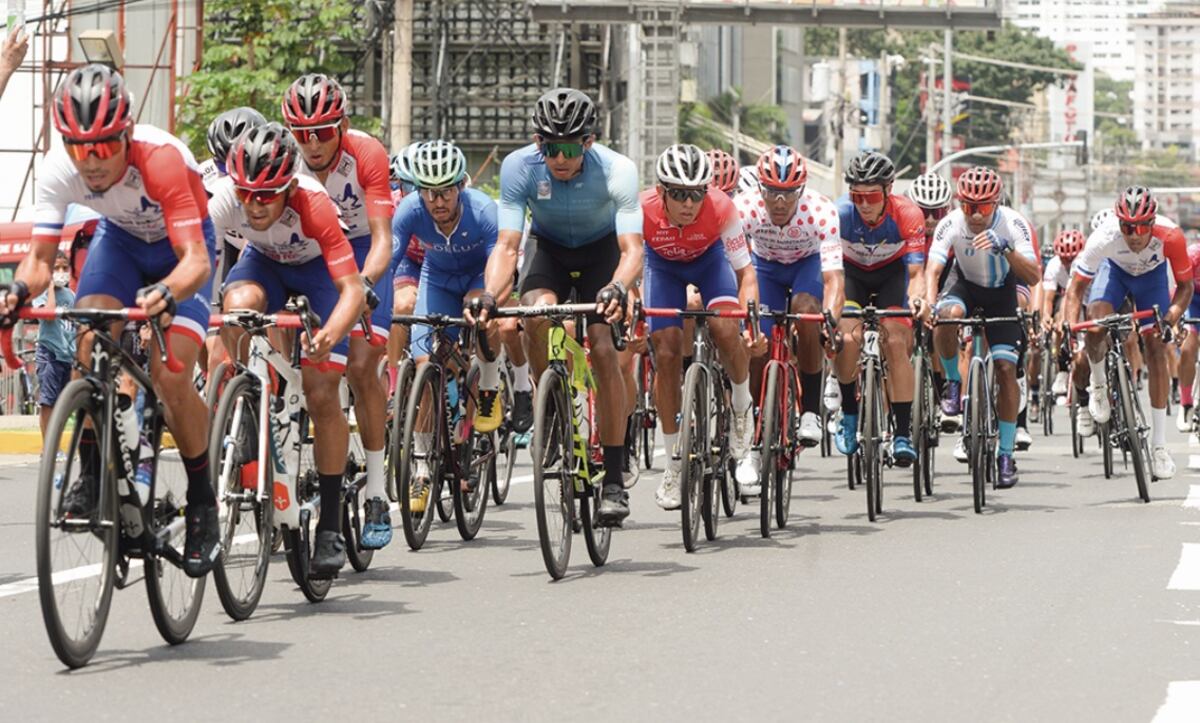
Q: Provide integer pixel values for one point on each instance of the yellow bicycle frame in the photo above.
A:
(563, 349)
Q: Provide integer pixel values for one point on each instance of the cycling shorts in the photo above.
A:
(440, 293)
(1193, 311)
(408, 273)
(119, 264)
(776, 280)
(887, 285)
(227, 256)
(1113, 284)
(585, 270)
(665, 284)
(1006, 340)
(381, 317)
(281, 281)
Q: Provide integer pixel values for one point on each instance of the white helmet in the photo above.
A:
(1102, 217)
(401, 163)
(438, 164)
(747, 179)
(930, 190)
(684, 165)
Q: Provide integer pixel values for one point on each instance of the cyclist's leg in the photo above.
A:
(808, 292)
(774, 280)
(1187, 367)
(489, 414)
(714, 277)
(846, 363)
(1004, 341)
(512, 337)
(1149, 290)
(404, 300)
(547, 282)
(897, 348)
(663, 290)
(952, 304)
(362, 373)
(1108, 292)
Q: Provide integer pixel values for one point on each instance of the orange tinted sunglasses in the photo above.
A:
(103, 149)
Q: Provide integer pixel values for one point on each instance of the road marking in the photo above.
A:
(1187, 572)
(1183, 700)
(1193, 497)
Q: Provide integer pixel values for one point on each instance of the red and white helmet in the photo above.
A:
(782, 167)
(314, 100)
(92, 104)
(1136, 205)
(979, 185)
(725, 170)
(1068, 244)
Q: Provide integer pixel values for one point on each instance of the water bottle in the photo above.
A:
(128, 436)
(585, 429)
(145, 470)
(16, 15)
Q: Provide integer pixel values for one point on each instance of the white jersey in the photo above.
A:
(983, 268)
(813, 229)
(1167, 243)
(1057, 275)
(215, 185)
(211, 175)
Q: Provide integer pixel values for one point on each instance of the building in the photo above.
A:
(1102, 24)
(1166, 90)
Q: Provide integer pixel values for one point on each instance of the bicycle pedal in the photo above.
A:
(313, 575)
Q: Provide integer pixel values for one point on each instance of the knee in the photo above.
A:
(321, 396)
(666, 350)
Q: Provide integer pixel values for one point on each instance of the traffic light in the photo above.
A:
(1081, 155)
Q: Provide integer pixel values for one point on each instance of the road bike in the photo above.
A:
(926, 413)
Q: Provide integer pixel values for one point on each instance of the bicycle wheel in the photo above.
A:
(553, 483)
(1049, 368)
(693, 453)
(506, 442)
(1072, 410)
(396, 440)
(354, 482)
(1136, 431)
(425, 389)
(769, 440)
(74, 607)
(650, 417)
(637, 418)
(729, 491)
(714, 477)
(786, 464)
(920, 409)
(872, 438)
(246, 521)
(597, 537)
(977, 441)
(1104, 432)
(175, 598)
(477, 461)
(301, 542)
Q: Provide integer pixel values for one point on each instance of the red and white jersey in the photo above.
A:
(160, 196)
(359, 182)
(717, 221)
(1167, 243)
(218, 183)
(1057, 275)
(813, 229)
(988, 267)
(307, 229)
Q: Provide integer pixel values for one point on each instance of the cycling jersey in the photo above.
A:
(900, 234)
(465, 250)
(1193, 311)
(717, 221)
(210, 173)
(812, 229)
(1106, 243)
(1057, 275)
(160, 196)
(600, 201)
(987, 268)
(358, 182)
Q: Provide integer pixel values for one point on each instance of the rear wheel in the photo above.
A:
(1136, 431)
(872, 438)
(553, 482)
(769, 441)
(505, 442)
(421, 462)
(476, 460)
(645, 376)
(396, 442)
(785, 467)
(693, 453)
(598, 537)
(1049, 369)
(354, 483)
(301, 543)
(920, 410)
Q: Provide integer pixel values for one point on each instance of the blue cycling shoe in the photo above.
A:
(377, 524)
(903, 452)
(846, 438)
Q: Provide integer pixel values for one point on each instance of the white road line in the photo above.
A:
(1182, 703)
(1187, 572)
(1193, 497)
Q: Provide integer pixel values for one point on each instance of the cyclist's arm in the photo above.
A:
(1074, 300)
(623, 190)
(502, 263)
(747, 282)
(373, 176)
(348, 308)
(510, 222)
(1175, 249)
(1026, 269)
(1047, 305)
(53, 197)
(916, 281)
(835, 293)
(174, 186)
(1180, 302)
(319, 220)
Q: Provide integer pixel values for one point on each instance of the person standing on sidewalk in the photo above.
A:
(55, 341)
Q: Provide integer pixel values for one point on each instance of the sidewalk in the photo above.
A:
(19, 434)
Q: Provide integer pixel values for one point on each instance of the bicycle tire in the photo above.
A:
(506, 442)
(769, 427)
(304, 537)
(1072, 411)
(354, 499)
(598, 537)
(223, 440)
(1104, 432)
(1047, 392)
(649, 420)
(405, 373)
(693, 452)
(553, 489)
(478, 452)
(871, 439)
(714, 478)
(416, 526)
(919, 412)
(175, 598)
(785, 467)
(75, 403)
(1136, 432)
(977, 441)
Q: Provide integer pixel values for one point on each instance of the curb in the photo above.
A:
(29, 441)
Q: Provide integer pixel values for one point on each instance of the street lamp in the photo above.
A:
(100, 46)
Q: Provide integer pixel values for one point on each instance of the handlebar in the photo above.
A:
(980, 321)
(90, 317)
(1117, 320)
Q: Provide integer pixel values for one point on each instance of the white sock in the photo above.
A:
(741, 396)
(489, 374)
(422, 441)
(670, 441)
(1099, 379)
(520, 378)
(1158, 427)
(376, 486)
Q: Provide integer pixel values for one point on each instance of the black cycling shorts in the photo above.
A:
(987, 302)
(887, 286)
(584, 270)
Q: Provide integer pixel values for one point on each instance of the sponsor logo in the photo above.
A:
(289, 217)
(543, 190)
(282, 498)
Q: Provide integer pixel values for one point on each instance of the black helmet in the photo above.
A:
(564, 113)
(225, 129)
(870, 167)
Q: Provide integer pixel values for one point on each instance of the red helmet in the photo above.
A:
(979, 185)
(1136, 205)
(1068, 244)
(782, 167)
(91, 104)
(725, 171)
(264, 158)
(314, 100)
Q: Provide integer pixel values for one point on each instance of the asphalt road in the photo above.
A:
(1067, 600)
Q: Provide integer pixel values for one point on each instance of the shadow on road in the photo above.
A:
(359, 606)
(218, 649)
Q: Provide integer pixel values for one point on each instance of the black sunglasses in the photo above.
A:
(686, 194)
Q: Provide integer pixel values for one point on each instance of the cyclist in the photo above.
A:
(883, 241)
(295, 245)
(587, 231)
(1057, 277)
(354, 169)
(725, 171)
(1188, 352)
(1127, 256)
(456, 227)
(407, 275)
(933, 195)
(154, 248)
(797, 253)
(747, 179)
(693, 236)
(994, 249)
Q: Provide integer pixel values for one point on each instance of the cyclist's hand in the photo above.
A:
(157, 301)
(318, 347)
(610, 302)
(757, 345)
(369, 294)
(638, 345)
(479, 308)
(12, 297)
(990, 240)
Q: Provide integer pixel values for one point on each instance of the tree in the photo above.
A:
(1117, 138)
(254, 50)
(763, 121)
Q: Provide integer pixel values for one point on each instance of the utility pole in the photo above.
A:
(947, 89)
(400, 120)
(930, 113)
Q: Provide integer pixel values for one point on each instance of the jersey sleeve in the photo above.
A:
(1094, 252)
(53, 197)
(319, 220)
(402, 229)
(1024, 239)
(167, 180)
(940, 250)
(734, 239)
(911, 224)
(374, 177)
(1175, 249)
(623, 190)
(1050, 276)
(830, 236)
(514, 182)
(224, 210)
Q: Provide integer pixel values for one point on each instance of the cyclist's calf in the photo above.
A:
(727, 337)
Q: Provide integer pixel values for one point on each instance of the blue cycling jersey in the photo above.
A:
(601, 200)
(466, 249)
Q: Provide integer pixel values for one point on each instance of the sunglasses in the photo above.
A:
(937, 214)
(770, 193)
(1136, 229)
(324, 134)
(982, 209)
(694, 195)
(862, 197)
(566, 150)
(103, 149)
(263, 197)
(433, 194)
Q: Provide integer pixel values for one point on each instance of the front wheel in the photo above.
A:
(769, 441)
(693, 452)
(598, 537)
(977, 441)
(420, 468)
(1136, 431)
(301, 543)
(553, 472)
(872, 438)
(175, 597)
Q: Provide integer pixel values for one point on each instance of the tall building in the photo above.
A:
(1102, 24)
(1166, 90)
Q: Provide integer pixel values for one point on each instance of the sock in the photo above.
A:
(670, 441)
(489, 374)
(1008, 434)
(199, 490)
(331, 503)
(950, 368)
(1158, 427)
(1098, 376)
(422, 441)
(902, 411)
(1082, 395)
(741, 396)
(849, 398)
(1021, 418)
(614, 464)
(89, 453)
(376, 475)
(1185, 396)
(810, 392)
(520, 378)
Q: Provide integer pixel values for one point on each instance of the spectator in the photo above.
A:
(12, 52)
(56, 341)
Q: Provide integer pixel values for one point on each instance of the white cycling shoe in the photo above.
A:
(832, 395)
(1098, 404)
(1084, 424)
(1059, 387)
(1161, 463)
(960, 450)
(746, 473)
(667, 494)
(810, 429)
